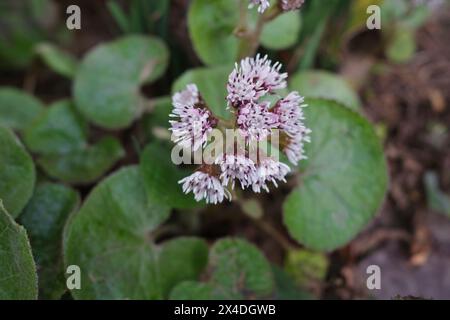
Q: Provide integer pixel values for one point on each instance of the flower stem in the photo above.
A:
(250, 39)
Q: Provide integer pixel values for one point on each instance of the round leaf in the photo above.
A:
(108, 80)
(85, 165)
(282, 32)
(322, 84)
(343, 182)
(59, 129)
(17, 173)
(18, 271)
(211, 24)
(238, 270)
(211, 83)
(112, 237)
(17, 108)
(44, 218)
(161, 178)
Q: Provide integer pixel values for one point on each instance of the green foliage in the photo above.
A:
(323, 84)
(345, 169)
(307, 268)
(212, 27)
(17, 174)
(59, 136)
(107, 82)
(44, 217)
(59, 61)
(161, 178)
(236, 270)
(211, 84)
(282, 32)
(19, 280)
(17, 108)
(112, 239)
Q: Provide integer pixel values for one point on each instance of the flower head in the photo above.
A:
(288, 5)
(252, 79)
(194, 121)
(294, 150)
(236, 167)
(262, 5)
(290, 114)
(256, 122)
(205, 186)
(269, 170)
(251, 86)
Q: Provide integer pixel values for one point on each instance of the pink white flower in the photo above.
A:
(252, 79)
(194, 122)
(288, 5)
(205, 186)
(262, 5)
(290, 114)
(269, 170)
(295, 148)
(256, 122)
(236, 167)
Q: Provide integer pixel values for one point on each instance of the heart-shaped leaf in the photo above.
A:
(17, 173)
(17, 108)
(323, 84)
(161, 178)
(59, 136)
(342, 183)
(18, 271)
(107, 82)
(112, 240)
(211, 83)
(44, 218)
(237, 270)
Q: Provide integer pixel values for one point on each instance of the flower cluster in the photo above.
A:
(285, 5)
(251, 85)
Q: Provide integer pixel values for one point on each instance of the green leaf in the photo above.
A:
(286, 288)
(18, 271)
(59, 129)
(237, 270)
(59, 61)
(59, 137)
(211, 83)
(85, 165)
(343, 182)
(323, 84)
(283, 32)
(161, 178)
(211, 24)
(17, 108)
(160, 115)
(112, 240)
(436, 198)
(107, 83)
(307, 268)
(17, 173)
(44, 218)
